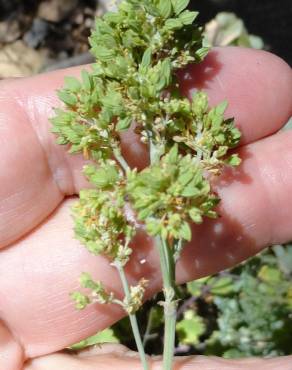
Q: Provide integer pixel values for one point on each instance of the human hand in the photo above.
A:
(40, 262)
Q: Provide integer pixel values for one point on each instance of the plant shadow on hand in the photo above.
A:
(199, 76)
(219, 243)
(216, 244)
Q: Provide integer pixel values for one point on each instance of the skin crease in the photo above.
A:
(40, 262)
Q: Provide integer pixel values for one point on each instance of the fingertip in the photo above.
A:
(256, 83)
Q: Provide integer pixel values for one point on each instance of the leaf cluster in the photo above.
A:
(100, 222)
(170, 194)
(133, 86)
(137, 51)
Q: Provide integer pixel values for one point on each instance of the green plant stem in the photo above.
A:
(167, 265)
(147, 334)
(168, 276)
(133, 318)
(120, 159)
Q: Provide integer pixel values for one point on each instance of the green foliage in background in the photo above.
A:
(253, 303)
(242, 312)
(227, 29)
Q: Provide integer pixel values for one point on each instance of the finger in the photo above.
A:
(256, 83)
(11, 355)
(123, 359)
(250, 81)
(44, 267)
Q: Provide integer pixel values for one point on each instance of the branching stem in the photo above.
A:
(167, 263)
(133, 318)
(120, 159)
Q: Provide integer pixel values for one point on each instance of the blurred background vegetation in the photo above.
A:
(245, 311)
(38, 35)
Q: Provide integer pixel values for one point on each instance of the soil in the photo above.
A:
(49, 33)
(53, 34)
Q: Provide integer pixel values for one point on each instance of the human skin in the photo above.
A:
(40, 261)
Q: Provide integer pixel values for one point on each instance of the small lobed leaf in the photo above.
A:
(270, 274)
(124, 124)
(72, 84)
(67, 97)
(196, 215)
(201, 53)
(102, 177)
(165, 8)
(146, 60)
(104, 54)
(233, 160)
(87, 80)
(173, 24)
(185, 231)
(104, 336)
(179, 5)
(81, 300)
(221, 108)
(190, 328)
(188, 17)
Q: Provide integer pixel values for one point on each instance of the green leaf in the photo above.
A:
(173, 24)
(284, 258)
(195, 215)
(165, 8)
(188, 17)
(153, 227)
(166, 71)
(190, 329)
(81, 300)
(113, 101)
(186, 177)
(185, 231)
(104, 54)
(179, 5)
(72, 84)
(221, 108)
(233, 160)
(105, 336)
(200, 103)
(102, 177)
(87, 79)
(113, 17)
(269, 274)
(62, 140)
(67, 98)
(172, 156)
(202, 53)
(190, 191)
(222, 286)
(195, 287)
(146, 60)
(124, 124)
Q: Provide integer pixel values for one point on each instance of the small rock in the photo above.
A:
(18, 60)
(56, 10)
(10, 31)
(36, 35)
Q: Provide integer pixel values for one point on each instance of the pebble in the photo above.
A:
(56, 10)
(37, 33)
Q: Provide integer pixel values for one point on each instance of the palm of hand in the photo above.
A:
(40, 262)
